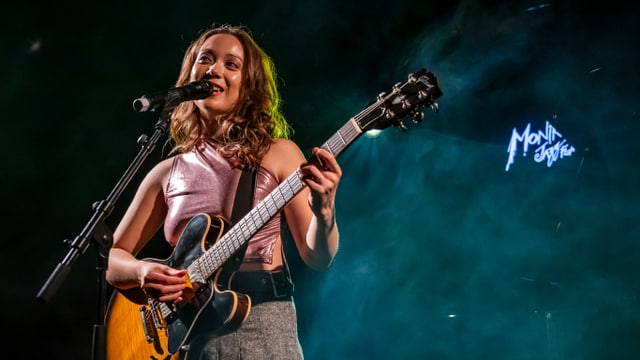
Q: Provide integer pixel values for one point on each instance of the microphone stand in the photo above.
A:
(102, 236)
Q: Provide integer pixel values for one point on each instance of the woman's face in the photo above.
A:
(221, 60)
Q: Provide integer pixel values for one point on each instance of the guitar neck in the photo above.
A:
(267, 208)
(342, 138)
(420, 89)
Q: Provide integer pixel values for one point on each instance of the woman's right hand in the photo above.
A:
(162, 282)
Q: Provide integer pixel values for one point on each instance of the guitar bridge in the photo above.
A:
(153, 328)
(147, 325)
(158, 322)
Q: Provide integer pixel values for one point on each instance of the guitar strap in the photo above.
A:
(242, 204)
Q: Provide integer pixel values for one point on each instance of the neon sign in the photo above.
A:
(549, 146)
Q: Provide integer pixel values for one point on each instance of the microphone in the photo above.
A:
(170, 98)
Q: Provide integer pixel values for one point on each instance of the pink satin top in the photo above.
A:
(202, 181)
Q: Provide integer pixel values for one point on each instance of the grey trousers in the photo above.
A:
(270, 332)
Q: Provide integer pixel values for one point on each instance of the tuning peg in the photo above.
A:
(401, 125)
(412, 78)
(417, 116)
(435, 107)
(389, 114)
(381, 96)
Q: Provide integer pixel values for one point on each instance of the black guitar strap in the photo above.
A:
(241, 206)
(243, 203)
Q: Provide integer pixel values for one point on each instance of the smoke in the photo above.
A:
(446, 255)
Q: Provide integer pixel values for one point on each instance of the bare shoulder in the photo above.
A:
(163, 167)
(159, 174)
(283, 158)
(285, 148)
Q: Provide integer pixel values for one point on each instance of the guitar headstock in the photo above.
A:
(405, 99)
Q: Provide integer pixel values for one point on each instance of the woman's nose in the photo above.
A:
(214, 70)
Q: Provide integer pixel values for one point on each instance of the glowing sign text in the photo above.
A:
(548, 146)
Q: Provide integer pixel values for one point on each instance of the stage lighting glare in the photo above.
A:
(373, 133)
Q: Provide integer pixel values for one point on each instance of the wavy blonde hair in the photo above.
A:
(248, 130)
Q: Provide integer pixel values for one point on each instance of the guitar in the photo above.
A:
(139, 327)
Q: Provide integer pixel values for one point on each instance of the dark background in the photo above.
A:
(444, 254)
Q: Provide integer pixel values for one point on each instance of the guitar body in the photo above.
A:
(126, 334)
(139, 327)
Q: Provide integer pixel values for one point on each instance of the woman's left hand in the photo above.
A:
(322, 174)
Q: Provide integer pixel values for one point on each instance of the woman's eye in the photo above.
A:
(203, 59)
(232, 65)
